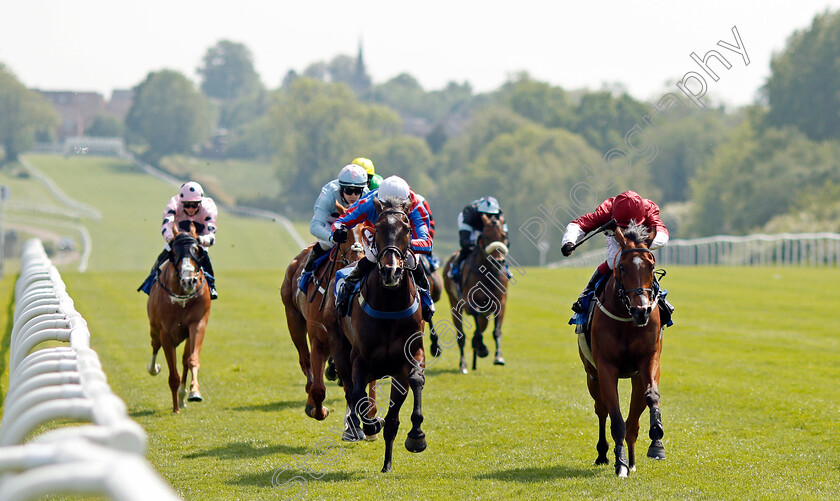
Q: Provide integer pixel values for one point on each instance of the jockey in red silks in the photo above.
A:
(365, 211)
(188, 206)
(623, 208)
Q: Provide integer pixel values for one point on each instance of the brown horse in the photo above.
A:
(304, 314)
(383, 336)
(178, 308)
(481, 289)
(626, 343)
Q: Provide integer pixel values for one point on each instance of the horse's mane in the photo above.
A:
(635, 232)
(393, 203)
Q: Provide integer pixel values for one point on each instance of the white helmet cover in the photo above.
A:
(191, 192)
(488, 205)
(353, 175)
(393, 186)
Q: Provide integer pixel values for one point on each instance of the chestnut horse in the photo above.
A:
(626, 343)
(383, 335)
(481, 289)
(304, 314)
(178, 309)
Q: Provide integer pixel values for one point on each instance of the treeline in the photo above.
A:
(549, 154)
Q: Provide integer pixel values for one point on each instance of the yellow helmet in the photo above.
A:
(366, 164)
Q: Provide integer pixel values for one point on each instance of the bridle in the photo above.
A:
(191, 253)
(400, 254)
(623, 293)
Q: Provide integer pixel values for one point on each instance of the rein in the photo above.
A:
(623, 294)
(177, 296)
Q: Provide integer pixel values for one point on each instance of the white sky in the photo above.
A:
(101, 45)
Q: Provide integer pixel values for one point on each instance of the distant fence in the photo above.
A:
(105, 458)
(784, 249)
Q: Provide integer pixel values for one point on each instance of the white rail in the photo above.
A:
(103, 458)
(784, 249)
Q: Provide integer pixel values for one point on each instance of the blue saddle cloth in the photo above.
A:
(306, 277)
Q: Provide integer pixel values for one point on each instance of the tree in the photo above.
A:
(804, 78)
(169, 114)
(321, 127)
(23, 114)
(540, 102)
(227, 71)
(604, 119)
(106, 126)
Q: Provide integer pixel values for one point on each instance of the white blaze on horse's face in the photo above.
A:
(189, 276)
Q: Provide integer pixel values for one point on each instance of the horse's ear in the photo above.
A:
(340, 209)
(406, 206)
(619, 236)
(485, 220)
(378, 204)
(649, 239)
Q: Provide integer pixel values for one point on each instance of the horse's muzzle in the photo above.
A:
(189, 284)
(391, 275)
(640, 315)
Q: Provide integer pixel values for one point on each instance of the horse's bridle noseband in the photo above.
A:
(401, 255)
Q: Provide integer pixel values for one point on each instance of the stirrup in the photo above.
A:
(213, 293)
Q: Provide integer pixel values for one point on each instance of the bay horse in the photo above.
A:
(383, 335)
(481, 289)
(178, 309)
(626, 342)
(304, 313)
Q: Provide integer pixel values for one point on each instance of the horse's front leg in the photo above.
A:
(356, 400)
(608, 384)
(392, 420)
(174, 378)
(462, 338)
(657, 432)
(154, 368)
(372, 423)
(416, 440)
(192, 351)
(600, 410)
(434, 340)
(497, 335)
(318, 391)
(479, 348)
(637, 405)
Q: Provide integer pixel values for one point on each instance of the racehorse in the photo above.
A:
(626, 342)
(436, 291)
(304, 313)
(481, 289)
(178, 309)
(383, 335)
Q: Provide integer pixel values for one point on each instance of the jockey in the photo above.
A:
(623, 208)
(431, 259)
(470, 226)
(365, 210)
(189, 205)
(348, 188)
(374, 179)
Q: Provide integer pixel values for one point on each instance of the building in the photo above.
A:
(79, 109)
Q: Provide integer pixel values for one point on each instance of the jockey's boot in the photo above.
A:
(422, 281)
(577, 306)
(465, 251)
(314, 254)
(666, 309)
(208, 274)
(146, 285)
(342, 299)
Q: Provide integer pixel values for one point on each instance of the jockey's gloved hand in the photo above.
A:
(206, 240)
(339, 236)
(567, 249)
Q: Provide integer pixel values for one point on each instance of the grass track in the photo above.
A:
(749, 382)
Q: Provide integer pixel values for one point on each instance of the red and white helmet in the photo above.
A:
(393, 186)
(191, 192)
(628, 206)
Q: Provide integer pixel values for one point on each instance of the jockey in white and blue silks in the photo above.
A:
(346, 190)
(188, 206)
(421, 240)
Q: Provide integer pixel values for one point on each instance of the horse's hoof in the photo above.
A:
(154, 371)
(464, 368)
(482, 351)
(621, 471)
(386, 468)
(602, 461)
(331, 373)
(310, 411)
(435, 349)
(499, 360)
(656, 450)
(415, 444)
(352, 435)
(372, 429)
(195, 397)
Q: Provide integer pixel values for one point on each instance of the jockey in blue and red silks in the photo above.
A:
(365, 211)
(622, 209)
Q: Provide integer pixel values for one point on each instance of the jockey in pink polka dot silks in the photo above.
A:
(188, 206)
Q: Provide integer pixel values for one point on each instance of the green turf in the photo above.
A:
(749, 389)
